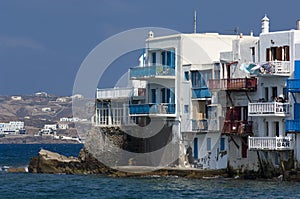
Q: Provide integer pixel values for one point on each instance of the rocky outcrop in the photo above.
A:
(50, 162)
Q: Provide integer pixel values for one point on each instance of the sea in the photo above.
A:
(27, 185)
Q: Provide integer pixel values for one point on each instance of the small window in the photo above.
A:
(186, 76)
(208, 144)
(222, 144)
(186, 108)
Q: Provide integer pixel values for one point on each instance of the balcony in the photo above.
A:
(293, 85)
(146, 72)
(199, 125)
(198, 93)
(292, 126)
(270, 143)
(268, 109)
(242, 128)
(238, 84)
(113, 93)
(278, 68)
(152, 109)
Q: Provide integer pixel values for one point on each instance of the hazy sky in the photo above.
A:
(43, 42)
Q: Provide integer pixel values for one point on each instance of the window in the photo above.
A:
(278, 53)
(266, 93)
(186, 76)
(276, 128)
(163, 95)
(186, 108)
(253, 53)
(163, 58)
(153, 94)
(208, 144)
(222, 144)
(274, 92)
(200, 78)
(168, 58)
(267, 128)
(154, 58)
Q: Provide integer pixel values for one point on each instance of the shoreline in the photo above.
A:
(30, 139)
(54, 163)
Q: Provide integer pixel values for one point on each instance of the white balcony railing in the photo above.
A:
(280, 68)
(270, 143)
(268, 109)
(113, 93)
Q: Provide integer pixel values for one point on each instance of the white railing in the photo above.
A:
(270, 143)
(112, 93)
(268, 109)
(281, 67)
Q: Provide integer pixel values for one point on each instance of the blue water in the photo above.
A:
(26, 185)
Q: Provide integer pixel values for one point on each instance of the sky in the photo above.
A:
(44, 42)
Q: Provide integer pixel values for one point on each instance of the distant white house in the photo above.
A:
(77, 96)
(50, 126)
(63, 126)
(46, 109)
(69, 119)
(13, 127)
(62, 99)
(16, 98)
(41, 94)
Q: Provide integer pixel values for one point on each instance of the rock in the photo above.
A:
(17, 170)
(50, 162)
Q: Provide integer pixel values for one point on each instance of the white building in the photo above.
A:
(224, 96)
(13, 127)
(50, 126)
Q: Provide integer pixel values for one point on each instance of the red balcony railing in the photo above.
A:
(238, 127)
(237, 84)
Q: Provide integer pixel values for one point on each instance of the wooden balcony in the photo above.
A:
(268, 109)
(238, 84)
(242, 128)
(270, 143)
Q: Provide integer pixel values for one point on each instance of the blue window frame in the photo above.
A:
(222, 144)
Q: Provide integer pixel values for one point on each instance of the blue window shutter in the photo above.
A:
(196, 148)
(172, 58)
(297, 69)
(297, 111)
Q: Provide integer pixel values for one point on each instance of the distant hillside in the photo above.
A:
(35, 111)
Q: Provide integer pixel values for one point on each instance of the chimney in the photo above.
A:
(150, 35)
(298, 24)
(265, 24)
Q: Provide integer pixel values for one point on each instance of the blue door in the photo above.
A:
(196, 148)
(297, 111)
